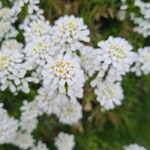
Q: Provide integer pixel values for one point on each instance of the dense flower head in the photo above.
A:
(70, 30)
(64, 75)
(28, 119)
(89, 60)
(144, 8)
(23, 140)
(142, 22)
(13, 71)
(35, 29)
(5, 27)
(134, 147)
(39, 51)
(28, 125)
(142, 64)
(69, 112)
(109, 94)
(3, 12)
(115, 56)
(7, 30)
(47, 101)
(64, 141)
(11, 45)
(8, 126)
(29, 110)
(40, 146)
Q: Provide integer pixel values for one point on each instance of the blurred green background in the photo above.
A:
(111, 130)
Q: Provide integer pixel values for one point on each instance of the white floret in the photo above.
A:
(109, 94)
(29, 110)
(70, 30)
(142, 64)
(8, 127)
(89, 60)
(11, 45)
(35, 29)
(116, 58)
(63, 75)
(24, 140)
(69, 112)
(47, 101)
(142, 22)
(40, 146)
(64, 141)
(134, 147)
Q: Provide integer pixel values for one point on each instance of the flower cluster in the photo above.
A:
(134, 147)
(108, 94)
(142, 21)
(116, 58)
(123, 10)
(8, 126)
(6, 28)
(12, 69)
(142, 65)
(109, 62)
(70, 32)
(57, 58)
(64, 76)
(64, 141)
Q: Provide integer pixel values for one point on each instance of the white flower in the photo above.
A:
(142, 25)
(108, 94)
(40, 146)
(64, 76)
(12, 72)
(122, 12)
(46, 101)
(64, 141)
(11, 45)
(35, 29)
(142, 22)
(5, 27)
(115, 56)
(70, 30)
(4, 12)
(39, 50)
(8, 127)
(24, 140)
(144, 8)
(142, 64)
(28, 125)
(89, 60)
(134, 147)
(33, 9)
(29, 110)
(70, 112)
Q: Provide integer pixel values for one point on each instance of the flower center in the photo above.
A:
(117, 51)
(69, 26)
(4, 12)
(109, 92)
(63, 68)
(4, 62)
(68, 111)
(147, 58)
(40, 48)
